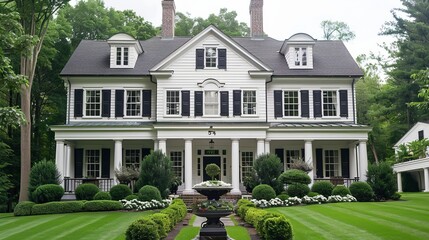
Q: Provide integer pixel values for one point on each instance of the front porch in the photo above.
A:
(419, 166)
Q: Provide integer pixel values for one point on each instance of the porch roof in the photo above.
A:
(413, 165)
(319, 125)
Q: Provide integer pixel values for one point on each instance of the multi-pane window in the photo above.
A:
(93, 161)
(173, 102)
(93, 103)
(291, 103)
(211, 57)
(330, 103)
(118, 56)
(122, 56)
(300, 56)
(332, 163)
(246, 164)
(211, 103)
(249, 102)
(176, 163)
(133, 104)
(125, 56)
(132, 158)
(291, 155)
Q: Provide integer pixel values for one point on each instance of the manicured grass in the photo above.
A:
(86, 225)
(405, 219)
(239, 233)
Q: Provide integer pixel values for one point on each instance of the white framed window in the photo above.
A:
(210, 57)
(176, 163)
(291, 155)
(300, 56)
(122, 56)
(173, 102)
(132, 158)
(133, 103)
(332, 163)
(246, 164)
(211, 103)
(330, 103)
(92, 103)
(249, 102)
(93, 163)
(290, 103)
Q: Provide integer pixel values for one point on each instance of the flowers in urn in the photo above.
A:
(212, 205)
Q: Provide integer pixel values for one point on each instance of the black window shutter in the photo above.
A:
(421, 134)
(224, 102)
(105, 106)
(344, 106)
(305, 110)
(186, 103)
(198, 103)
(105, 163)
(236, 102)
(78, 102)
(278, 106)
(145, 152)
(221, 58)
(319, 163)
(78, 162)
(199, 59)
(317, 103)
(119, 103)
(280, 153)
(147, 100)
(303, 154)
(345, 163)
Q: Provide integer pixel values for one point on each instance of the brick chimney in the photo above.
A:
(256, 19)
(168, 17)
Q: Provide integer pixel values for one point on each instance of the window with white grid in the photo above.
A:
(246, 164)
(133, 103)
(122, 56)
(291, 103)
(249, 102)
(300, 56)
(332, 163)
(330, 103)
(132, 158)
(176, 163)
(291, 155)
(211, 57)
(125, 56)
(93, 162)
(211, 103)
(92, 103)
(173, 102)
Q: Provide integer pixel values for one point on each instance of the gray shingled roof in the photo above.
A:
(319, 125)
(331, 58)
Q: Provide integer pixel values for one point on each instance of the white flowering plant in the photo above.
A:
(213, 183)
(338, 198)
(291, 201)
(137, 205)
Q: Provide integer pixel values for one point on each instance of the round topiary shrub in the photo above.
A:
(277, 228)
(48, 193)
(323, 188)
(263, 191)
(361, 191)
(283, 196)
(142, 229)
(212, 170)
(312, 194)
(86, 191)
(148, 193)
(120, 191)
(297, 190)
(131, 197)
(102, 196)
(295, 176)
(341, 190)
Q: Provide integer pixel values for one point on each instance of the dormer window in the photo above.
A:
(300, 56)
(298, 51)
(122, 56)
(124, 51)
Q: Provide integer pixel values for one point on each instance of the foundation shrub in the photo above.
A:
(362, 191)
(102, 205)
(340, 190)
(86, 191)
(295, 176)
(131, 197)
(120, 191)
(263, 191)
(102, 196)
(163, 224)
(23, 208)
(323, 188)
(283, 196)
(48, 193)
(297, 190)
(142, 229)
(148, 193)
(57, 207)
(277, 228)
(382, 180)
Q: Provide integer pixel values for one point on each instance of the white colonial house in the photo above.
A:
(211, 98)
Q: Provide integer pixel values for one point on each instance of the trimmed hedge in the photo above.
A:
(148, 193)
(362, 191)
(283, 196)
(297, 190)
(23, 208)
(163, 224)
(295, 176)
(340, 190)
(102, 205)
(131, 197)
(102, 196)
(323, 188)
(242, 206)
(142, 229)
(263, 191)
(120, 191)
(57, 207)
(48, 193)
(86, 191)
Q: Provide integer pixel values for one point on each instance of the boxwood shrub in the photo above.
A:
(261, 220)
(131, 197)
(362, 191)
(295, 176)
(86, 191)
(312, 194)
(243, 207)
(102, 205)
(163, 224)
(253, 215)
(277, 228)
(340, 190)
(148, 193)
(263, 191)
(48, 193)
(102, 196)
(142, 229)
(23, 208)
(297, 190)
(57, 207)
(323, 188)
(120, 191)
(283, 196)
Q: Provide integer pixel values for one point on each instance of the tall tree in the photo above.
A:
(336, 30)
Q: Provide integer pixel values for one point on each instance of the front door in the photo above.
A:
(206, 161)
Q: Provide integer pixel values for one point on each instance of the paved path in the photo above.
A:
(226, 220)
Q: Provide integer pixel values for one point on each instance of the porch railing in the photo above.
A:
(70, 184)
(339, 181)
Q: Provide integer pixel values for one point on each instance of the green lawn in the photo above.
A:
(402, 220)
(98, 225)
(236, 232)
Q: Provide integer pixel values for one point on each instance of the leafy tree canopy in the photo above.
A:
(335, 30)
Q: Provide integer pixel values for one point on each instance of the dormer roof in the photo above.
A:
(298, 39)
(125, 39)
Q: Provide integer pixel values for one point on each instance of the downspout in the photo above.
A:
(266, 98)
(353, 99)
(156, 90)
(69, 102)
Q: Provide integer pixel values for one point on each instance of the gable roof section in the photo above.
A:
(417, 125)
(219, 34)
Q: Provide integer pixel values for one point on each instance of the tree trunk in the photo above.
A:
(25, 144)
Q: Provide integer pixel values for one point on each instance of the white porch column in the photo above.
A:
(188, 167)
(267, 146)
(162, 145)
(235, 164)
(363, 161)
(68, 163)
(155, 145)
(426, 177)
(399, 181)
(260, 147)
(117, 161)
(59, 158)
(308, 148)
(353, 162)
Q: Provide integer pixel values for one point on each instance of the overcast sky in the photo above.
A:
(283, 18)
